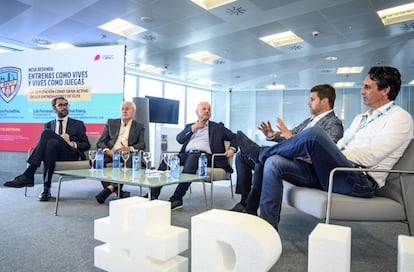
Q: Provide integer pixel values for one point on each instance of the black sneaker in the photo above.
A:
(20, 182)
(176, 204)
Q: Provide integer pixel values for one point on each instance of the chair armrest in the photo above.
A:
(213, 159)
(350, 169)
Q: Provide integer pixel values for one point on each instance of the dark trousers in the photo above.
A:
(244, 168)
(49, 149)
(190, 163)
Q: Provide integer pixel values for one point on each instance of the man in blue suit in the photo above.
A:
(202, 136)
(63, 139)
(123, 134)
(321, 103)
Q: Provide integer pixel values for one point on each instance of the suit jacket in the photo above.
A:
(77, 133)
(217, 133)
(330, 123)
(111, 132)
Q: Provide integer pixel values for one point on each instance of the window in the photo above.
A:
(195, 96)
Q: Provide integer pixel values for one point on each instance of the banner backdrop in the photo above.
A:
(91, 78)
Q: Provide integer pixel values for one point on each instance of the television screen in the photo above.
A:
(162, 110)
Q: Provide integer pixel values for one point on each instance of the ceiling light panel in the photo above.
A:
(276, 87)
(210, 4)
(203, 56)
(349, 70)
(343, 84)
(281, 39)
(122, 27)
(397, 14)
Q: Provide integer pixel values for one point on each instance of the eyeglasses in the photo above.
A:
(62, 105)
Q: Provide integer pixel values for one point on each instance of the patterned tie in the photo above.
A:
(60, 127)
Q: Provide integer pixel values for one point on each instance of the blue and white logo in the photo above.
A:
(10, 80)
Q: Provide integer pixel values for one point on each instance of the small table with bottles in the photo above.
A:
(128, 176)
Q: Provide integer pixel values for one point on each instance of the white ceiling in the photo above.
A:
(349, 30)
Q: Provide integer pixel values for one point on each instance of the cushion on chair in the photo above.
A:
(386, 205)
(314, 201)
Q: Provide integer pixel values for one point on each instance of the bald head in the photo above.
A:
(203, 111)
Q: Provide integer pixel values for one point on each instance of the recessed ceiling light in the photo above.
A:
(397, 14)
(349, 70)
(146, 19)
(204, 82)
(61, 45)
(281, 39)
(150, 68)
(275, 86)
(343, 84)
(203, 56)
(122, 27)
(411, 82)
(210, 4)
(331, 58)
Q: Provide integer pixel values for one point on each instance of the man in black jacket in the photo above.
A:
(202, 136)
(63, 139)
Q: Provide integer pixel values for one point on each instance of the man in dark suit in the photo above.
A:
(123, 134)
(63, 139)
(203, 136)
(321, 103)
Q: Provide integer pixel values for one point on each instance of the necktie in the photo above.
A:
(60, 127)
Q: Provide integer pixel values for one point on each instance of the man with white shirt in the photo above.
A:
(375, 139)
(321, 103)
(63, 139)
(123, 134)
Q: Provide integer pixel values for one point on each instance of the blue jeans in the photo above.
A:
(281, 164)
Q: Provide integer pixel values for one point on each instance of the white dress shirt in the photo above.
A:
(381, 142)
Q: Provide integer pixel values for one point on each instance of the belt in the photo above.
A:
(196, 151)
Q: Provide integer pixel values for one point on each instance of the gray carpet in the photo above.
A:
(33, 239)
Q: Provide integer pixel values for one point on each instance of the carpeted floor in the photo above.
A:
(34, 239)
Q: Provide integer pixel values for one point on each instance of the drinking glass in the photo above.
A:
(147, 158)
(166, 157)
(125, 157)
(92, 157)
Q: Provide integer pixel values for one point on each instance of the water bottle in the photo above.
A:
(202, 165)
(99, 159)
(136, 161)
(175, 167)
(116, 159)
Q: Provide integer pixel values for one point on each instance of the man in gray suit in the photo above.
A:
(123, 134)
(321, 103)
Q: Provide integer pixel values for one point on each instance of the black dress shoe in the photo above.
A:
(20, 182)
(125, 194)
(103, 195)
(238, 208)
(45, 194)
(249, 148)
(152, 196)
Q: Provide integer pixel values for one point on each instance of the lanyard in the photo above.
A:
(365, 122)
